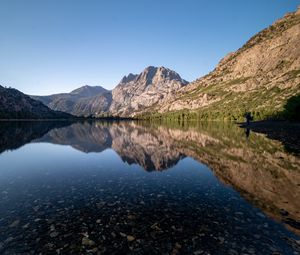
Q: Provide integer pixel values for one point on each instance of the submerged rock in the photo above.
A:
(87, 242)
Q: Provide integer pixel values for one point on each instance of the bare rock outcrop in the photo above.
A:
(135, 93)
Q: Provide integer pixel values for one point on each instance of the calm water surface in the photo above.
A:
(144, 188)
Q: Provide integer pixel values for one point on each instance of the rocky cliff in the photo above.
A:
(135, 93)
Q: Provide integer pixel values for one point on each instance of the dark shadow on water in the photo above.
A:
(14, 134)
(283, 126)
(287, 132)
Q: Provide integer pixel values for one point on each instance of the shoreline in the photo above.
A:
(288, 133)
(71, 119)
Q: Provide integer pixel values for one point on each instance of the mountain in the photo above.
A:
(137, 92)
(130, 77)
(84, 101)
(260, 77)
(133, 94)
(88, 91)
(16, 105)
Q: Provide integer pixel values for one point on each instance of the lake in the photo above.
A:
(146, 188)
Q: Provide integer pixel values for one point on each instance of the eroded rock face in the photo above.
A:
(261, 75)
(137, 92)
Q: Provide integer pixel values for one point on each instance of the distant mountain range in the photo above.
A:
(84, 101)
(16, 105)
(260, 77)
(134, 93)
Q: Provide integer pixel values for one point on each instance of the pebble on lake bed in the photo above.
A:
(87, 242)
(130, 238)
(14, 224)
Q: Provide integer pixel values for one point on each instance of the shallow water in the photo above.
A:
(145, 188)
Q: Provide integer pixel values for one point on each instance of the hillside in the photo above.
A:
(84, 101)
(260, 77)
(16, 105)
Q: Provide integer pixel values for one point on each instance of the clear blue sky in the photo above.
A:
(58, 45)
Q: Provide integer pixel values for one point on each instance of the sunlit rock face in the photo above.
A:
(135, 93)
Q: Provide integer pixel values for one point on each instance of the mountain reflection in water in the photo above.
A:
(260, 170)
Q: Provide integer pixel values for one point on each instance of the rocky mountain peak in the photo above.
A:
(150, 87)
(154, 75)
(147, 75)
(130, 77)
(88, 91)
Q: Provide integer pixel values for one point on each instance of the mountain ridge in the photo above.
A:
(80, 101)
(87, 90)
(16, 105)
(260, 77)
(152, 85)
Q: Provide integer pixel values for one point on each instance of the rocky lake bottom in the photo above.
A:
(146, 188)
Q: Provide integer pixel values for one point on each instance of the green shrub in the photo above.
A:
(292, 108)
